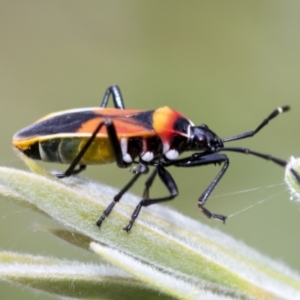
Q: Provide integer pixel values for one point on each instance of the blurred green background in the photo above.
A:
(224, 63)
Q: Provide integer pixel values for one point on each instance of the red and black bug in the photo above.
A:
(145, 138)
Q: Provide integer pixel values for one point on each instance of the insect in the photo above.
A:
(144, 138)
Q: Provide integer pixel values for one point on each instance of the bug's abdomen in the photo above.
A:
(64, 150)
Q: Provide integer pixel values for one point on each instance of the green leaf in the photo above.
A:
(75, 238)
(170, 283)
(163, 239)
(72, 279)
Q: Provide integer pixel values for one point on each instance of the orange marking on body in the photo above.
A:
(163, 122)
(125, 126)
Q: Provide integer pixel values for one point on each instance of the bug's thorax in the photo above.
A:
(172, 129)
(171, 138)
(170, 143)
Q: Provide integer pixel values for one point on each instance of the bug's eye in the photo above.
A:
(200, 139)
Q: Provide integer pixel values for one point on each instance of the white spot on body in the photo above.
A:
(189, 131)
(127, 158)
(172, 154)
(44, 156)
(147, 156)
(124, 148)
(166, 147)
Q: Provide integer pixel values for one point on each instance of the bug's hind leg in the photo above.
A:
(113, 90)
(117, 98)
(116, 148)
(143, 169)
(74, 172)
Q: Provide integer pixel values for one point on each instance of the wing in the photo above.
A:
(83, 122)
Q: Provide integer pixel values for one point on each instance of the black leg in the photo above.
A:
(113, 138)
(244, 135)
(170, 184)
(112, 135)
(149, 183)
(74, 172)
(143, 169)
(203, 198)
(199, 160)
(113, 90)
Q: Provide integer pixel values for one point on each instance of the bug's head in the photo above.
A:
(202, 138)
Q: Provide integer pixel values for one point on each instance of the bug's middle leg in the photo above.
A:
(143, 169)
(167, 180)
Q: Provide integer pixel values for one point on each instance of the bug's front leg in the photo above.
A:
(203, 198)
(200, 160)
